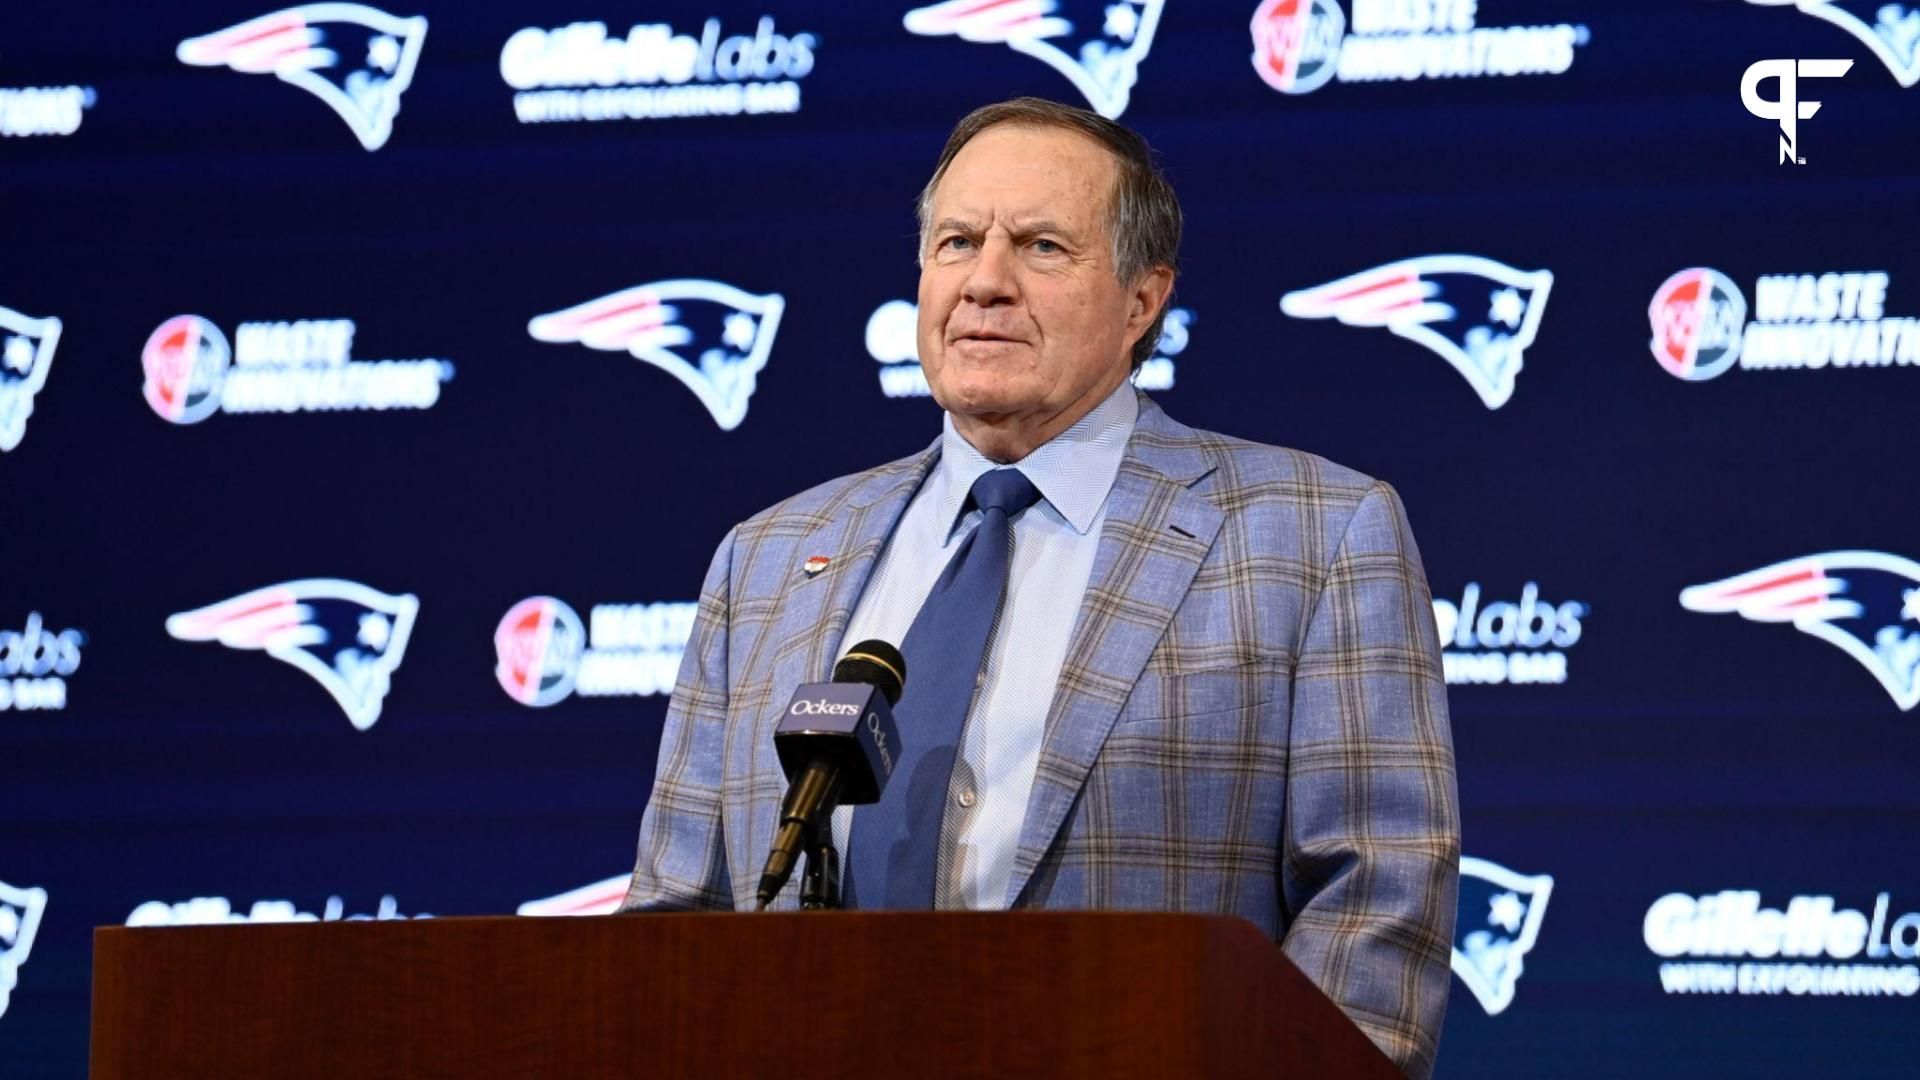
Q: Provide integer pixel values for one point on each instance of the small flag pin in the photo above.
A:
(816, 564)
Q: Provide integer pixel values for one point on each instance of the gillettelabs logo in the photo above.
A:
(1300, 45)
(892, 339)
(26, 352)
(1865, 602)
(1477, 314)
(1789, 108)
(577, 72)
(1498, 924)
(356, 59)
(1797, 944)
(35, 663)
(1836, 319)
(543, 653)
(713, 337)
(301, 366)
(1506, 643)
(215, 910)
(349, 637)
(20, 912)
(1893, 35)
(1103, 64)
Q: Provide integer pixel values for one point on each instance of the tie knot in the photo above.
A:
(1006, 490)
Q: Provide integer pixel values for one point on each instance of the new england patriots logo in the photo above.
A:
(348, 637)
(26, 351)
(603, 897)
(356, 59)
(1479, 315)
(1866, 602)
(714, 338)
(1893, 34)
(1499, 921)
(1102, 64)
(20, 911)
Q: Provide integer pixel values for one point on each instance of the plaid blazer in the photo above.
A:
(1251, 719)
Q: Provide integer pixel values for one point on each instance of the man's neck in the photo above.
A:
(1007, 438)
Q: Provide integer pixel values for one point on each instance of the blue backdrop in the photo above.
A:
(375, 383)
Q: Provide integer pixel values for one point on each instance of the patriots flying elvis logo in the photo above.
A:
(1893, 32)
(20, 911)
(603, 897)
(1479, 315)
(347, 636)
(356, 59)
(1098, 45)
(714, 338)
(1865, 602)
(1498, 923)
(26, 351)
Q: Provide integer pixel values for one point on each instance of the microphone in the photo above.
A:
(837, 744)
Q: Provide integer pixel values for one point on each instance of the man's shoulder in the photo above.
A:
(1242, 471)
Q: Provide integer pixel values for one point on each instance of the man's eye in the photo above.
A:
(956, 243)
(1046, 247)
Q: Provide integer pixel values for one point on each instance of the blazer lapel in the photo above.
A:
(1157, 533)
(814, 610)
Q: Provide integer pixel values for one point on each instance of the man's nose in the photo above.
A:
(991, 281)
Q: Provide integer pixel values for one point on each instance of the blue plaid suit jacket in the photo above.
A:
(1251, 719)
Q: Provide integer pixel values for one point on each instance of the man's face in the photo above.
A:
(1021, 315)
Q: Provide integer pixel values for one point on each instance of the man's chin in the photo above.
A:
(980, 402)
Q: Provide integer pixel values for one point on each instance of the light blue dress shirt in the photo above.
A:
(1053, 548)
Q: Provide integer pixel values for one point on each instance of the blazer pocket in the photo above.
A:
(1191, 698)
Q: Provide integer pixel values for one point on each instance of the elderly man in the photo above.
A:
(1148, 667)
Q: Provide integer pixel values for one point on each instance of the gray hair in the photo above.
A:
(1143, 215)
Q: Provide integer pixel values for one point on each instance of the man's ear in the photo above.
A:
(1149, 296)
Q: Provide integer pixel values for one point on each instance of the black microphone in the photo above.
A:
(837, 744)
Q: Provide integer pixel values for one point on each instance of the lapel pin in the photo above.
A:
(816, 564)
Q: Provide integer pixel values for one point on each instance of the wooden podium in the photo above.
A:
(871, 995)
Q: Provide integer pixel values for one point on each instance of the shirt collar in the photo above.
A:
(1074, 470)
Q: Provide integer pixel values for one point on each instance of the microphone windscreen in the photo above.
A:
(874, 662)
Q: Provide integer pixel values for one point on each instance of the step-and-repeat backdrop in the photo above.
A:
(375, 383)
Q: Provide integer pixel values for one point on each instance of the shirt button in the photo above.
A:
(980, 681)
(968, 798)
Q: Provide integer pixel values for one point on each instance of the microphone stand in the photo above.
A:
(820, 881)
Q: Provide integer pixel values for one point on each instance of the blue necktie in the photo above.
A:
(893, 844)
